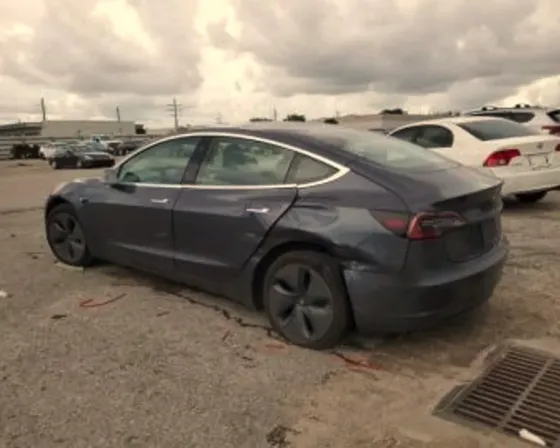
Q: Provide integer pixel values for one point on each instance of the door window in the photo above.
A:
(305, 170)
(164, 163)
(434, 137)
(244, 162)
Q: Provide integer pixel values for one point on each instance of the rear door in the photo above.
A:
(238, 195)
(132, 220)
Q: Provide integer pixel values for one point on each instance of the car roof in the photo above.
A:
(323, 139)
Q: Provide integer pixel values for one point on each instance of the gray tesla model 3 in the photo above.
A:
(325, 228)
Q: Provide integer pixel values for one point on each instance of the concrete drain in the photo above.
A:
(519, 394)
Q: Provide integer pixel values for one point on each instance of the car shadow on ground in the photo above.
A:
(513, 207)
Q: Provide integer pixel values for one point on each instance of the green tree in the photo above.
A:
(295, 117)
(396, 111)
(259, 119)
(330, 121)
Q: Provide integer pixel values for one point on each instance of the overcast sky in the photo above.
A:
(240, 58)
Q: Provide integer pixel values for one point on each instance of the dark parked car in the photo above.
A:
(127, 146)
(324, 227)
(80, 156)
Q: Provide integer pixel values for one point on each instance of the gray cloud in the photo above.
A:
(74, 51)
(427, 47)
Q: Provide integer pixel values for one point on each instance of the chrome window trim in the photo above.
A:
(341, 169)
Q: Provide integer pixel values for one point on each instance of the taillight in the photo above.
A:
(501, 158)
(552, 129)
(420, 226)
(432, 225)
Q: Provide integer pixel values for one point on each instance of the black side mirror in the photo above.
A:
(110, 177)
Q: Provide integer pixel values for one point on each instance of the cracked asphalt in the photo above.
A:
(107, 357)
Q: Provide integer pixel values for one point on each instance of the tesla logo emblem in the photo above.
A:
(539, 145)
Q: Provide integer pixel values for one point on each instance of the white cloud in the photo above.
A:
(242, 58)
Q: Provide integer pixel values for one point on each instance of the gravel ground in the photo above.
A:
(163, 366)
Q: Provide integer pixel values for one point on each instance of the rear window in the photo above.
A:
(555, 115)
(383, 150)
(487, 130)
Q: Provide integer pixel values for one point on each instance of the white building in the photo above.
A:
(69, 128)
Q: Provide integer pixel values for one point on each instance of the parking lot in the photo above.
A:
(107, 357)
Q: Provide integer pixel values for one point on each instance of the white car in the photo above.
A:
(526, 160)
(47, 150)
(545, 120)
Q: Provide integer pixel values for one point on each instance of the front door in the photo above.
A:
(238, 196)
(133, 218)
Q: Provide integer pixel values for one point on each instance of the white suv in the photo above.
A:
(545, 120)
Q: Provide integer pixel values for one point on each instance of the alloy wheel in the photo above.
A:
(301, 302)
(67, 237)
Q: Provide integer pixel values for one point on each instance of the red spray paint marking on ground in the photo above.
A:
(89, 303)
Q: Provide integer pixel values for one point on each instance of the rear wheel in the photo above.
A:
(530, 198)
(79, 164)
(54, 164)
(66, 237)
(305, 299)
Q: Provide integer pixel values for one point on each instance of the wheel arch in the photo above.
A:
(55, 201)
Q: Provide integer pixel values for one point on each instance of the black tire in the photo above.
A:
(531, 198)
(289, 308)
(66, 237)
(79, 164)
(54, 164)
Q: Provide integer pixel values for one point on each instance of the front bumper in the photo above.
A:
(390, 304)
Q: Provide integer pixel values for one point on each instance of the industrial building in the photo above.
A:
(68, 128)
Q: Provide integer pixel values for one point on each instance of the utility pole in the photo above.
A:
(43, 109)
(219, 118)
(118, 112)
(274, 114)
(175, 109)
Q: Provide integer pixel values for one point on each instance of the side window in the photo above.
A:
(244, 162)
(305, 170)
(521, 117)
(434, 137)
(407, 134)
(164, 163)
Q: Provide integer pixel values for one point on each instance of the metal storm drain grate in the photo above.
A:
(519, 394)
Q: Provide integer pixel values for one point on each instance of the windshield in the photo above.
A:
(487, 130)
(387, 151)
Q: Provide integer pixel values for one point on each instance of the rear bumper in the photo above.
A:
(531, 181)
(383, 304)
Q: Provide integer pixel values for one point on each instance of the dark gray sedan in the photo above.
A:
(80, 156)
(327, 229)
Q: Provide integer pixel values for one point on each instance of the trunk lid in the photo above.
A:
(473, 194)
(536, 152)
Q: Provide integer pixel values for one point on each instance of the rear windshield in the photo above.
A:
(555, 115)
(383, 150)
(498, 129)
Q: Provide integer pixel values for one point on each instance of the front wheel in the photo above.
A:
(531, 198)
(305, 300)
(54, 164)
(66, 237)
